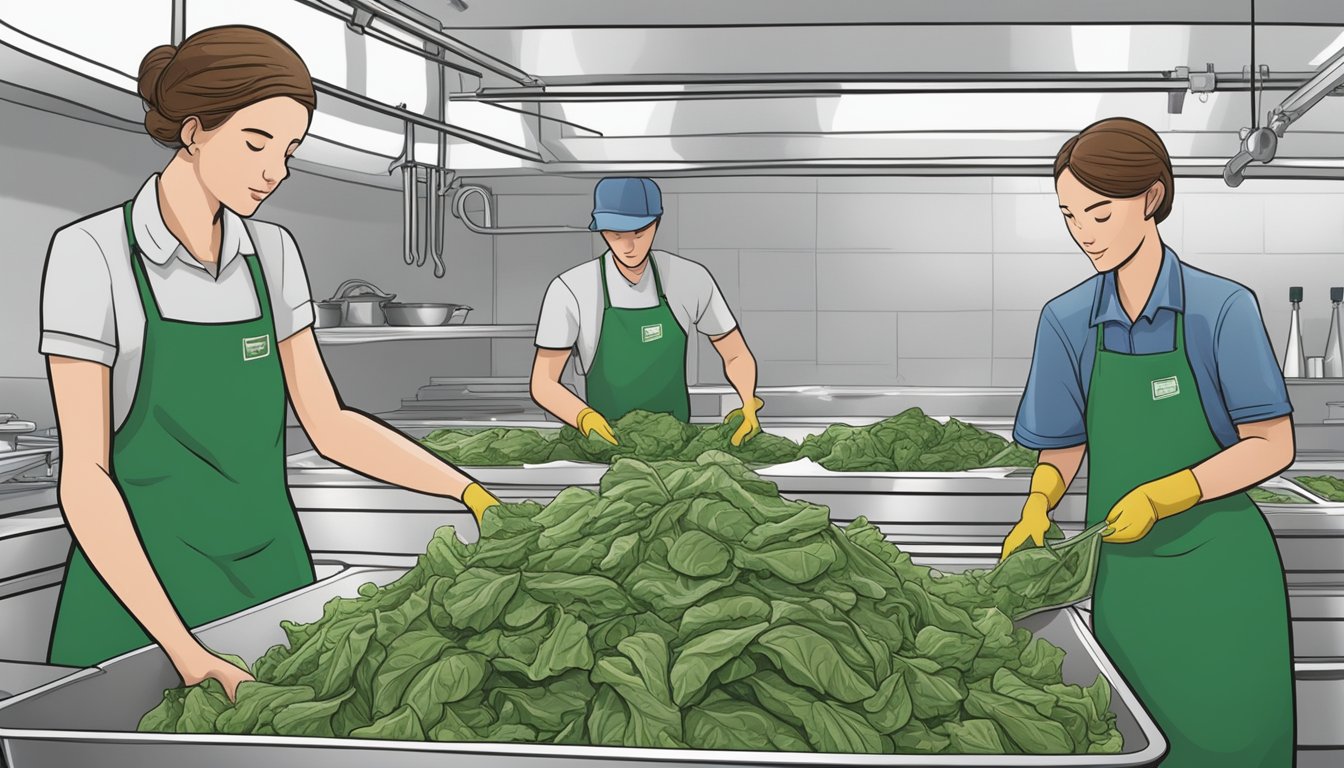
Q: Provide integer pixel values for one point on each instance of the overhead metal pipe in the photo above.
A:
(356, 22)
(489, 142)
(405, 23)
(1260, 144)
(489, 228)
(821, 85)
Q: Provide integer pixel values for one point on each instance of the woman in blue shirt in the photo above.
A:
(1164, 377)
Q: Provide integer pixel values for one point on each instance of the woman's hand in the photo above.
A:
(1139, 510)
(1047, 488)
(1034, 523)
(199, 665)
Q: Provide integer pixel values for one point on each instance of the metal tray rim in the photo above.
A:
(1153, 751)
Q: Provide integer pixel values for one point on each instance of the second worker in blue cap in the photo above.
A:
(629, 313)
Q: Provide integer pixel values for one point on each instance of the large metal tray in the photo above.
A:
(90, 717)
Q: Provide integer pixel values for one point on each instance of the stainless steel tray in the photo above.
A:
(89, 718)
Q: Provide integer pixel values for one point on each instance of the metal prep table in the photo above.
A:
(947, 520)
(97, 711)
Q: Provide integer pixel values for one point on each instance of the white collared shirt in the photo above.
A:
(571, 312)
(91, 308)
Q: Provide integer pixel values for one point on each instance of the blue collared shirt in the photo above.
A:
(1236, 371)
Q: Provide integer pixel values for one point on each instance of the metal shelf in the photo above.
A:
(368, 334)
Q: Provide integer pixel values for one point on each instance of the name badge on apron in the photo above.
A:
(256, 347)
(651, 332)
(1165, 388)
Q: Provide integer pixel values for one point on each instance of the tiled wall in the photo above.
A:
(919, 281)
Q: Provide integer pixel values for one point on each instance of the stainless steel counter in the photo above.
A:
(90, 716)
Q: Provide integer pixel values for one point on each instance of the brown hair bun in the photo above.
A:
(1121, 158)
(213, 74)
(151, 74)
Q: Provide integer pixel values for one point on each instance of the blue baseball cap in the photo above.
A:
(622, 204)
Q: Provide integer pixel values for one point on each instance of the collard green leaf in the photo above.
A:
(734, 724)
(698, 554)
(478, 596)
(835, 728)
(566, 647)
(735, 611)
(809, 659)
(704, 655)
(449, 679)
(257, 704)
(309, 718)
(794, 563)
(890, 708)
(407, 656)
(401, 725)
(1032, 732)
(976, 737)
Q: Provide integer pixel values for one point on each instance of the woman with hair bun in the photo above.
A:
(1163, 375)
(174, 327)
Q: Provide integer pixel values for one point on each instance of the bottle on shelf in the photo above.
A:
(1334, 347)
(1294, 361)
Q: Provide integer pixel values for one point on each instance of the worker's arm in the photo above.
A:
(353, 439)
(98, 519)
(547, 391)
(739, 365)
(1265, 449)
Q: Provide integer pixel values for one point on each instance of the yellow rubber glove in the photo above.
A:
(478, 500)
(591, 421)
(751, 424)
(1139, 510)
(1047, 488)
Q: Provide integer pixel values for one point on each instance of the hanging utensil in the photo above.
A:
(406, 162)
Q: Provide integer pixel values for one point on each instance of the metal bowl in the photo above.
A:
(329, 314)
(418, 314)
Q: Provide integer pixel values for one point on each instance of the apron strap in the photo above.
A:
(606, 295)
(148, 301)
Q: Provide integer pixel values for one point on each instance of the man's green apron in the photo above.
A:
(200, 463)
(1195, 614)
(640, 362)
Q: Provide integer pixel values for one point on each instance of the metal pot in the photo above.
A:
(459, 316)
(363, 303)
(418, 314)
(329, 314)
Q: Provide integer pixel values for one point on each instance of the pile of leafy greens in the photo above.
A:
(685, 605)
(1327, 487)
(913, 442)
(1275, 496)
(908, 442)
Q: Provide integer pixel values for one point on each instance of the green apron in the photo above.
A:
(1195, 614)
(200, 463)
(640, 362)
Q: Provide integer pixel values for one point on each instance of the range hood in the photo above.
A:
(769, 87)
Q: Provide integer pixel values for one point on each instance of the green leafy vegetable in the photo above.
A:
(685, 605)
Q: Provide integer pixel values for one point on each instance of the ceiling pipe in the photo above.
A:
(388, 15)
(459, 210)
(606, 88)
(358, 22)
(1260, 144)
(489, 142)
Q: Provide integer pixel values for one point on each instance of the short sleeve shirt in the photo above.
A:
(1235, 368)
(571, 312)
(91, 307)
